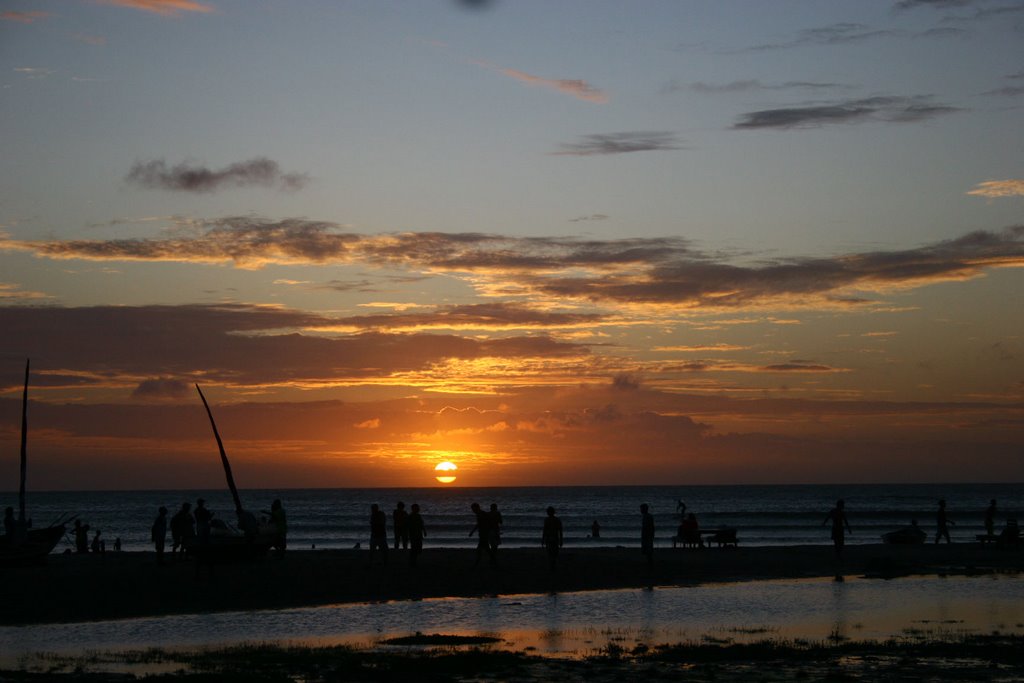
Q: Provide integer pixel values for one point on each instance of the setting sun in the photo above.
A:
(445, 472)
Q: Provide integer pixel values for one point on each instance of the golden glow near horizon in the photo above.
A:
(446, 470)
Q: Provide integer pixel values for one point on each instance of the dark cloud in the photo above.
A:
(621, 143)
(638, 270)
(889, 109)
(833, 34)
(475, 316)
(754, 84)
(162, 388)
(941, 4)
(258, 172)
(1008, 91)
(591, 217)
(237, 345)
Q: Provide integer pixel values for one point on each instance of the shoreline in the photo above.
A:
(76, 588)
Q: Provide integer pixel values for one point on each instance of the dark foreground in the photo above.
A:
(117, 585)
(970, 658)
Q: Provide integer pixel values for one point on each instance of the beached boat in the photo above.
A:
(250, 539)
(23, 544)
(908, 535)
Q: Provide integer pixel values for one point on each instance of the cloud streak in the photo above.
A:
(620, 143)
(885, 109)
(639, 271)
(24, 17)
(579, 89)
(165, 8)
(999, 188)
(257, 172)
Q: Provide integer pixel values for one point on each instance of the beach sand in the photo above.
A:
(69, 588)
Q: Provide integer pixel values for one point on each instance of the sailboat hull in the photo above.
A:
(32, 549)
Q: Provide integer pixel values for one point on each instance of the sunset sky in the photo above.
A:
(553, 242)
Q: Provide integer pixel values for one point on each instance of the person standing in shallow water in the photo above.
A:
(942, 523)
(647, 534)
(552, 538)
(280, 522)
(840, 525)
(990, 518)
(417, 532)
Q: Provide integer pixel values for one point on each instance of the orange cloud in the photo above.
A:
(24, 17)
(581, 90)
(165, 8)
(999, 188)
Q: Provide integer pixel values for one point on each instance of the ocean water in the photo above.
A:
(763, 515)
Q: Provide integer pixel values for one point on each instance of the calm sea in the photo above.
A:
(763, 515)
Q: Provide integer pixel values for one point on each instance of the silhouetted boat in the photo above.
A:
(26, 545)
(250, 540)
(908, 535)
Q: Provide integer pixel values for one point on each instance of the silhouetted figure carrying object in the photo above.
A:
(552, 538)
(840, 525)
(647, 534)
(483, 528)
(158, 534)
(417, 532)
(942, 523)
(400, 519)
(378, 532)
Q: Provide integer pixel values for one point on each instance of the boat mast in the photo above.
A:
(24, 445)
(223, 457)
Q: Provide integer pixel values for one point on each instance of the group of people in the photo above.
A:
(191, 528)
(408, 527)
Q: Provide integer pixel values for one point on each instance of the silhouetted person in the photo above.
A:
(496, 523)
(203, 517)
(689, 531)
(81, 537)
(551, 538)
(942, 523)
(647, 534)
(98, 544)
(483, 529)
(158, 534)
(681, 509)
(280, 522)
(378, 532)
(417, 532)
(117, 544)
(595, 530)
(989, 518)
(183, 529)
(840, 525)
(400, 521)
(10, 523)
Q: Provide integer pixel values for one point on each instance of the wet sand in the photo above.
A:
(118, 585)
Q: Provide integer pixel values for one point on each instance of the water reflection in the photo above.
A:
(574, 624)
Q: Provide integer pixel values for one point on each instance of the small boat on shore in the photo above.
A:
(250, 540)
(20, 543)
(908, 535)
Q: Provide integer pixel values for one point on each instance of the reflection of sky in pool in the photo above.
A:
(568, 623)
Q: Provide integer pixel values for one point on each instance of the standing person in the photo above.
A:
(595, 530)
(10, 524)
(990, 518)
(81, 537)
(551, 538)
(400, 519)
(158, 534)
(483, 529)
(496, 523)
(417, 532)
(98, 544)
(647, 534)
(280, 522)
(378, 532)
(183, 529)
(840, 525)
(942, 523)
(203, 517)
